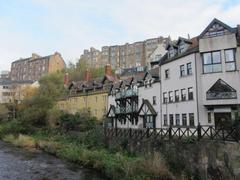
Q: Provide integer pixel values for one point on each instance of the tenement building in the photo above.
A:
(32, 68)
(197, 83)
(124, 56)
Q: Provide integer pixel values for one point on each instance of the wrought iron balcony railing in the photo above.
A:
(126, 93)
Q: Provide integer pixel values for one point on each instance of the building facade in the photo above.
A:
(123, 56)
(90, 95)
(33, 68)
(199, 82)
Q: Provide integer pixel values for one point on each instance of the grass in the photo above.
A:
(116, 165)
(20, 140)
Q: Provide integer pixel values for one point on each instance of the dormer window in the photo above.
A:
(181, 47)
(171, 53)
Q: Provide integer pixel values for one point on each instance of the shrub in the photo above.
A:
(80, 121)
(13, 127)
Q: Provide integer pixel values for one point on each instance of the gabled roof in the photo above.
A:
(171, 44)
(183, 39)
(147, 108)
(215, 20)
(111, 111)
(221, 86)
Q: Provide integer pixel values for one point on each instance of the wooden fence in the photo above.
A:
(179, 133)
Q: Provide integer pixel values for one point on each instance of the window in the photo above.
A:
(230, 60)
(149, 122)
(177, 117)
(189, 68)
(184, 119)
(190, 93)
(165, 123)
(170, 96)
(171, 119)
(181, 47)
(182, 70)
(212, 62)
(183, 94)
(191, 119)
(154, 100)
(176, 95)
(167, 73)
(171, 53)
(209, 117)
(165, 97)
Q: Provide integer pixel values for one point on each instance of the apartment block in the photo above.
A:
(33, 68)
(123, 56)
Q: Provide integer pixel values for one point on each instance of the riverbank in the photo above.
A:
(18, 163)
(87, 149)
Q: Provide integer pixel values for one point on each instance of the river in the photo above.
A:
(20, 164)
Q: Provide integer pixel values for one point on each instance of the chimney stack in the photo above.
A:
(108, 70)
(66, 79)
(87, 75)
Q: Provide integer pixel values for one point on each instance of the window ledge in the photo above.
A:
(185, 76)
(212, 73)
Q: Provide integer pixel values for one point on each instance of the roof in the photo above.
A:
(191, 49)
(155, 72)
(33, 59)
(149, 105)
(183, 39)
(215, 20)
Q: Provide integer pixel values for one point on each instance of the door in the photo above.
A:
(223, 120)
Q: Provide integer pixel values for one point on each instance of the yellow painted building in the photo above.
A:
(94, 102)
(90, 95)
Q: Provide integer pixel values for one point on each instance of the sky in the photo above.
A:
(70, 26)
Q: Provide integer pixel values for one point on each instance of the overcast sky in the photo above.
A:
(69, 26)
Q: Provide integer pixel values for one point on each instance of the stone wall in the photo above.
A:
(199, 160)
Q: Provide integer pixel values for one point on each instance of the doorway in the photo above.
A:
(223, 120)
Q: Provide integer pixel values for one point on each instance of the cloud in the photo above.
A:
(69, 26)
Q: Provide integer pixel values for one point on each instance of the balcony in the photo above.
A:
(132, 109)
(120, 110)
(127, 93)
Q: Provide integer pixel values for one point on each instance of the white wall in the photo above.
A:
(148, 93)
(176, 82)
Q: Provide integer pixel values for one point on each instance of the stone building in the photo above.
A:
(123, 56)
(33, 68)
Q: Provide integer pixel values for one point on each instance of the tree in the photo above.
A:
(3, 112)
(36, 108)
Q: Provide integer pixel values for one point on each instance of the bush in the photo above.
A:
(80, 121)
(14, 127)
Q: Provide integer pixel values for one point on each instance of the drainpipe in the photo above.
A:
(160, 100)
(196, 80)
